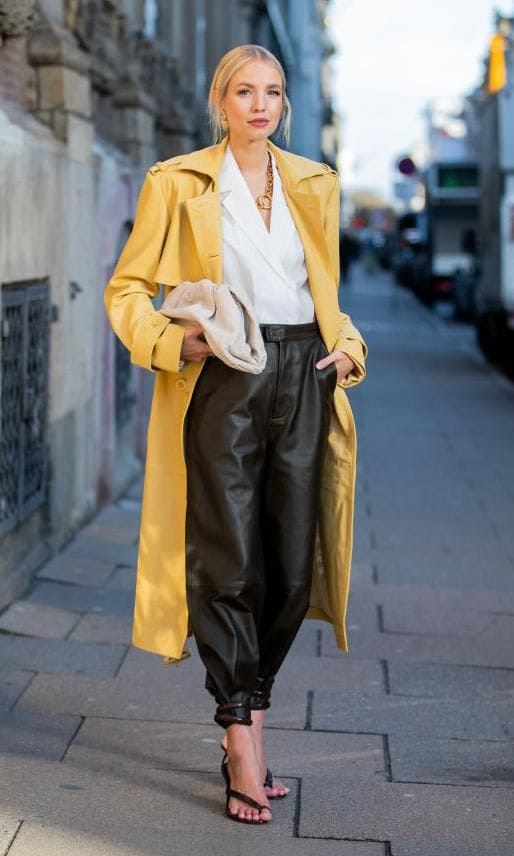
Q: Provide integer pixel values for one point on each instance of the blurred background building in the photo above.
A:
(92, 92)
(451, 237)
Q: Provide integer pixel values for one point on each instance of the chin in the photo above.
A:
(259, 133)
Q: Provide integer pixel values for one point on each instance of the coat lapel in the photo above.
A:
(307, 215)
(204, 214)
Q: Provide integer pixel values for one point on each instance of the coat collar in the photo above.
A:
(293, 168)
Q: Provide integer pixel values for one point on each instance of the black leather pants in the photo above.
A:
(254, 445)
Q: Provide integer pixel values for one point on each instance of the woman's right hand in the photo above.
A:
(194, 346)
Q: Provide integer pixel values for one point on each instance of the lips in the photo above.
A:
(259, 122)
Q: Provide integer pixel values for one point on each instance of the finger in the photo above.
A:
(194, 331)
(321, 364)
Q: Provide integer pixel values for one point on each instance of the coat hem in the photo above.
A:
(167, 659)
(317, 613)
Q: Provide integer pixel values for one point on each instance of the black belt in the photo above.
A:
(280, 332)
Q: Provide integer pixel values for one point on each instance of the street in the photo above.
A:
(405, 747)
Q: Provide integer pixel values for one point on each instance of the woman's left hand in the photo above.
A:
(343, 363)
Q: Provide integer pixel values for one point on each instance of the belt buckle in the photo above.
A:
(278, 334)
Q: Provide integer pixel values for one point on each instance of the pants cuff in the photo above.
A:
(260, 697)
(233, 713)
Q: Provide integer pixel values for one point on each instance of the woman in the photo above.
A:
(270, 458)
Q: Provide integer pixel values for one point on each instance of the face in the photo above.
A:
(253, 101)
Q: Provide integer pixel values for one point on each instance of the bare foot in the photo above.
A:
(278, 789)
(245, 775)
(256, 729)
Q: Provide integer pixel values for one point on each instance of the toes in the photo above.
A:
(250, 814)
(277, 791)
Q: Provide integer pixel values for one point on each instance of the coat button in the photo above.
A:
(181, 384)
(157, 321)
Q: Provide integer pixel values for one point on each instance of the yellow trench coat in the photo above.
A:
(177, 237)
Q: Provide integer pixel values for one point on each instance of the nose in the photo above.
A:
(259, 103)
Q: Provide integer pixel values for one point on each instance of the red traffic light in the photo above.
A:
(407, 166)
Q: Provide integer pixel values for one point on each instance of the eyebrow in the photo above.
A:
(251, 85)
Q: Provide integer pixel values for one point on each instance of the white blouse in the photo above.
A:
(269, 265)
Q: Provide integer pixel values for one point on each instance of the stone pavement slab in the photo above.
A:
(12, 683)
(47, 841)
(81, 570)
(123, 579)
(434, 621)
(362, 571)
(82, 598)
(9, 826)
(483, 849)
(109, 629)
(452, 761)
(36, 735)
(114, 744)
(307, 642)
(445, 681)
(161, 700)
(124, 514)
(60, 655)
(486, 718)
(101, 531)
(432, 597)
(361, 615)
(343, 674)
(148, 810)
(417, 818)
(484, 650)
(105, 551)
(37, 619)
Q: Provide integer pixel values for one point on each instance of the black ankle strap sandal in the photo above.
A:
(268, 781)
(239, 795)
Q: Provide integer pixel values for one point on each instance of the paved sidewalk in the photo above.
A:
(405, 747)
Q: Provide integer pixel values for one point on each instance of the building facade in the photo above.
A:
(92, 92)
(492, 121)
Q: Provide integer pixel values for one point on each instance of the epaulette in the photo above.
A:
(162, 165)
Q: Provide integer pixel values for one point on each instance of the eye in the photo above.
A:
(275, 92)
(243, 91)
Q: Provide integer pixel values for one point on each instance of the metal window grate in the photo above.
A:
(24, 396)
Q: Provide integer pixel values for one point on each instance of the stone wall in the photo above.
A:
(92, 92)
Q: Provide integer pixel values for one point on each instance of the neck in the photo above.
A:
(250, 156)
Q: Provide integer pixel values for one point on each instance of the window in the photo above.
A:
(25, 337)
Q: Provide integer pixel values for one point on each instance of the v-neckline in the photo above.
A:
(267, 232)
(243, 211)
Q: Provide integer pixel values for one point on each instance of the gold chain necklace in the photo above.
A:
(266, 198)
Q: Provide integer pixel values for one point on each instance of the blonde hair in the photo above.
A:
(225, 70)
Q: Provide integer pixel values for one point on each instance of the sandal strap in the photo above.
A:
(268, 781)
(246, 799)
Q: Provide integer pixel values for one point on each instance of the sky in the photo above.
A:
(392, 58)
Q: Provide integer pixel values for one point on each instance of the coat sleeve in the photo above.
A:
(153, 341)
(349, 340)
